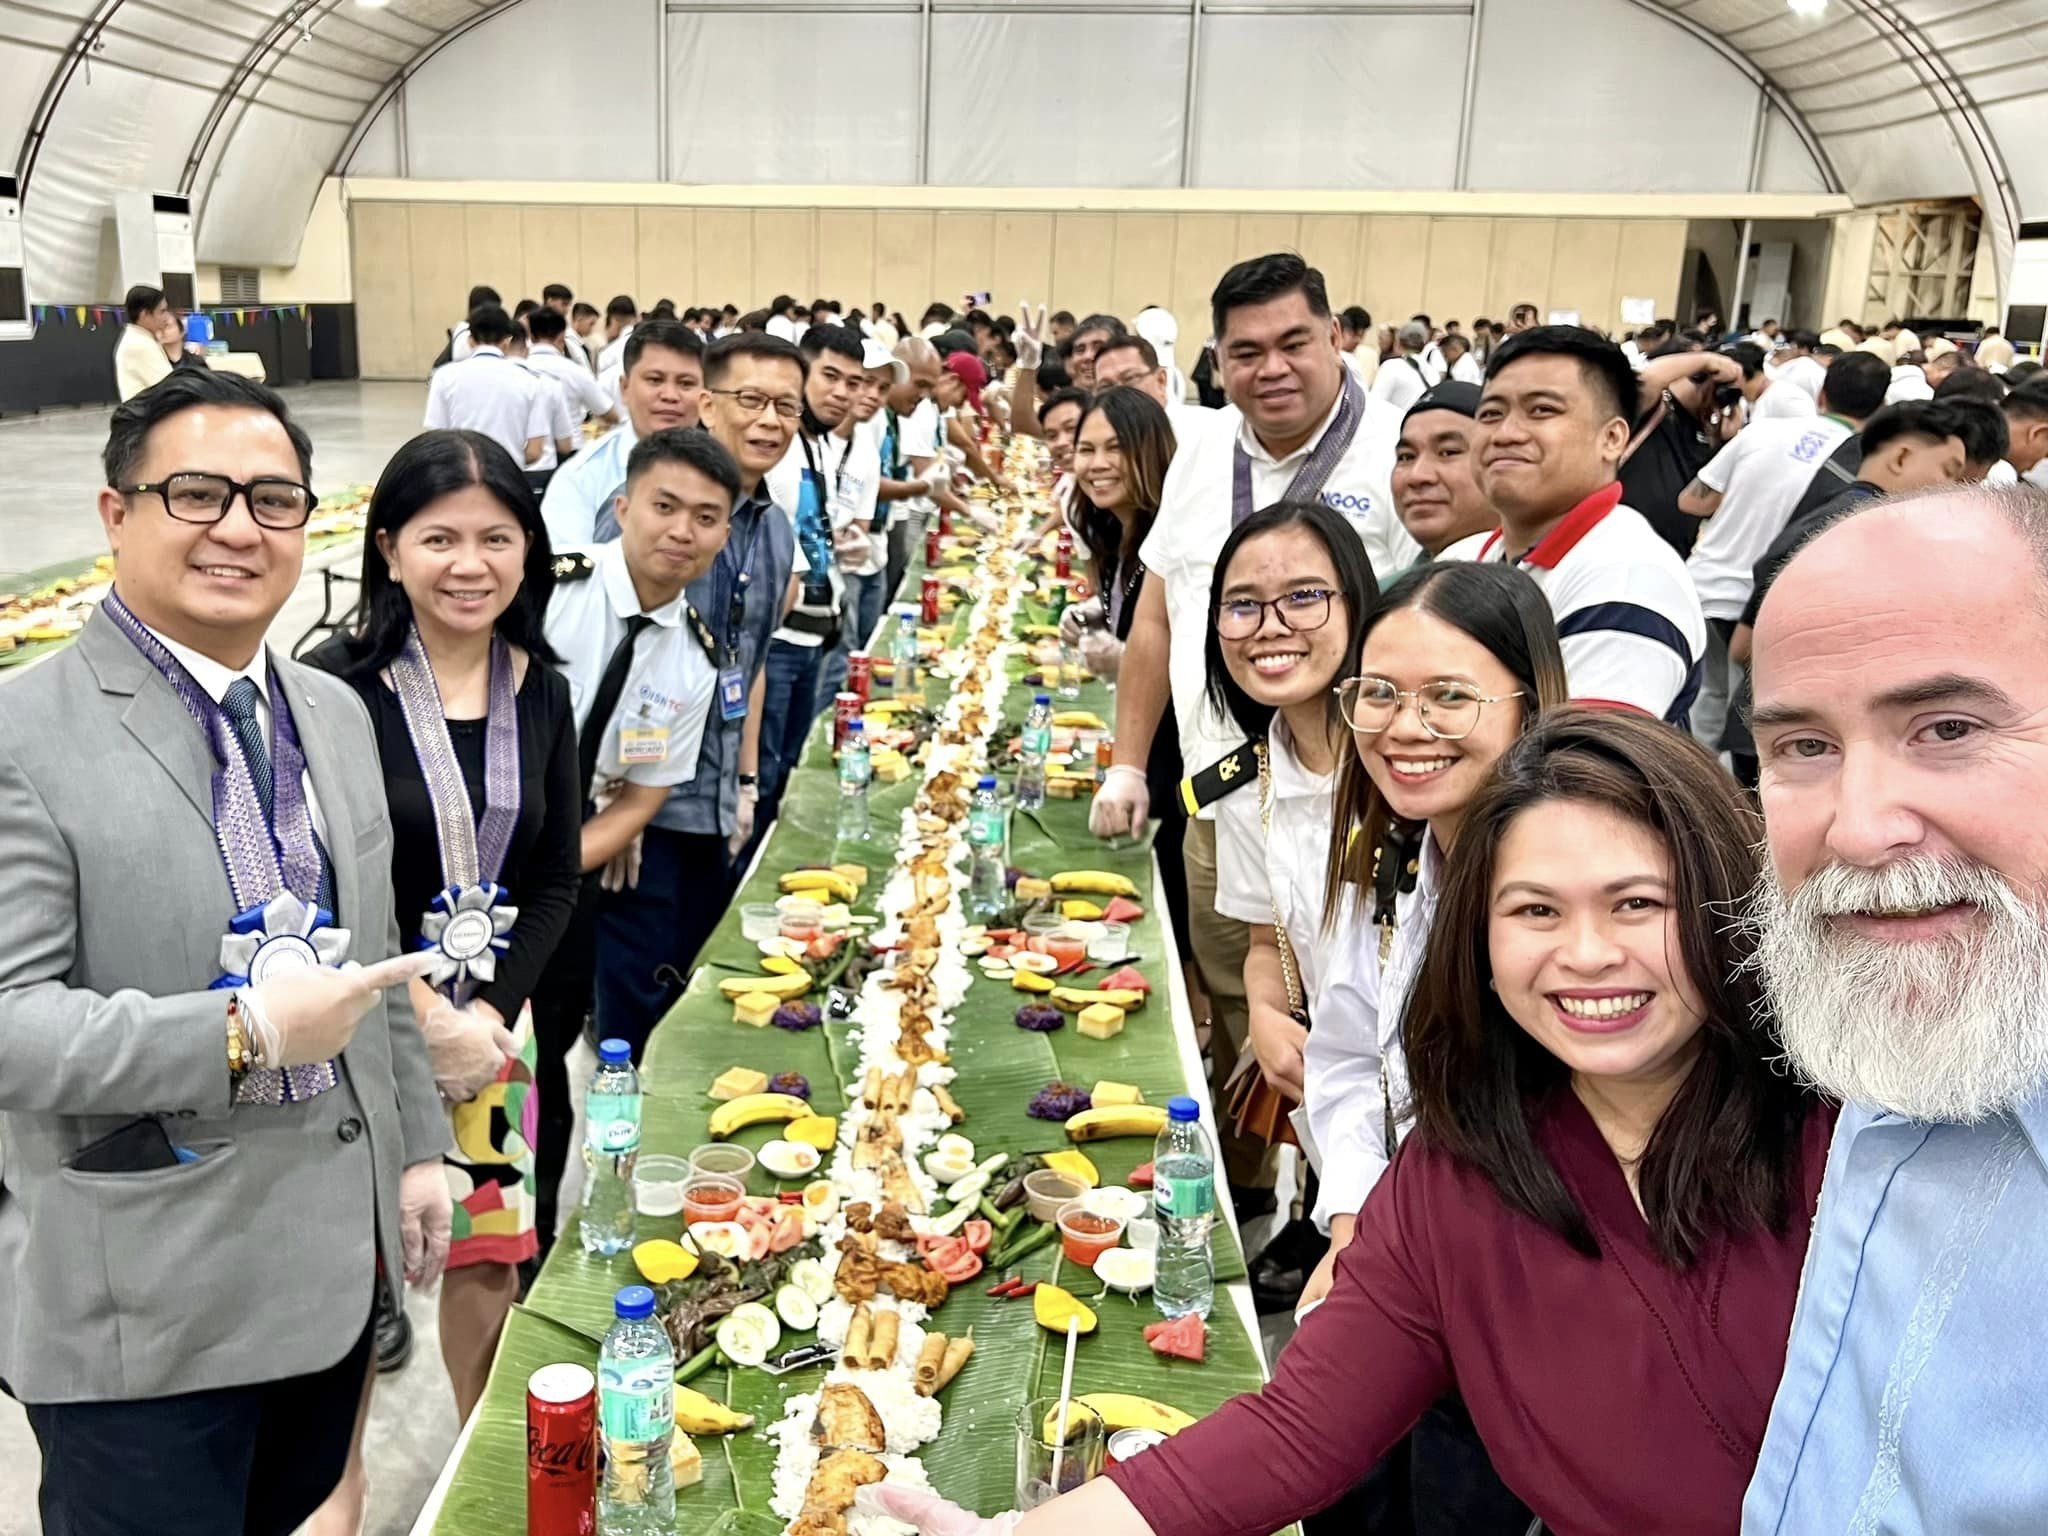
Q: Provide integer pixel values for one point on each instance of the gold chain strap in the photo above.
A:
(1386, 953)
(1288, 973)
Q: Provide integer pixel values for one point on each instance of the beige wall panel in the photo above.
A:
(1651, 261)
(1460, 252)
(846, 257)
(551, 251)
(1141, 269)
(382, 259)
(725, 258)
(493, 242)
(665, 261)
(1330, 243)
(611, 254)
(963, 257)
(440, 275)
(1582, 272)
(785, 260)
(1204, 247)
(1023, 262)
(1396, 259)
(1083, 256)
(1258, 234)
(903, 261)
(1523, 269)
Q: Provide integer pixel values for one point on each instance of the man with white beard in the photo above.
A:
(1901, 686)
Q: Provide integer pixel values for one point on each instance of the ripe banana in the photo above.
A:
(1074, 999)
(810, 881)
(755, 1108)
(1118, 1120)
(697, 1414)
(1093, 882)
(784, 987)
(1080, 720)
(1120, 1410)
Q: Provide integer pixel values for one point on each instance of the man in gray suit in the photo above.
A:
(212, 1132)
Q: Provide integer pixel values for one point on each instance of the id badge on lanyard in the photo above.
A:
(732, 694)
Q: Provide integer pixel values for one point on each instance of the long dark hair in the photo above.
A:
(1720, 1160)
(1145, 438)
(1355, 579)
(1503, 609)
(433, 465)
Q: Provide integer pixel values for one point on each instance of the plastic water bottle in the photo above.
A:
(903, 650)
(1037, 746)
(636, 1417)
(611, 1146)
(1070, 670)
(988, 887)
(1184, 1199)
(855, 772)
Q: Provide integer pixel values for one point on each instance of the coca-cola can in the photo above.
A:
(931, 542)
(1063, 555)
(860, 674)
(847, 709)
(946, 521)
(929, 614)
(1126, 1443)
(561, 1451)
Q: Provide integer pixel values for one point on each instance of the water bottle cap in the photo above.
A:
(1042, 698)
(853, 728)
(634, 1302)
(988, 781)
(1183, 1110)
(614, 1052)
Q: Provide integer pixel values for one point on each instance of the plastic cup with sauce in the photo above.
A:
(1086, 1235)
(712, 1197)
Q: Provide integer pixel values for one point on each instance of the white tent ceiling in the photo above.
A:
(246, 104)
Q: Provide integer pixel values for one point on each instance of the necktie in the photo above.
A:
(239, 704)
(609, 687)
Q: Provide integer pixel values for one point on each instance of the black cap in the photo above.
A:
(1451, 395)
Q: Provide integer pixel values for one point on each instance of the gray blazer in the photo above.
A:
(256, 1262)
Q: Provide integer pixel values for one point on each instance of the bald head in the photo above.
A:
(922, 359)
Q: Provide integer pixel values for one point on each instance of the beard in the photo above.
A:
(1950, 1030)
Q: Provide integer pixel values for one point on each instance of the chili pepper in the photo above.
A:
(1024, 1290)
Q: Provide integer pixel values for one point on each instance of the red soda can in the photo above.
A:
(846, 709)
(561, 1451)
(1063, 555)
(930, 611)
(931, 543)
(860, 674)
(946, 521)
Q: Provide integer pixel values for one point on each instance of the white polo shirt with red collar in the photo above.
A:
(1628, 619)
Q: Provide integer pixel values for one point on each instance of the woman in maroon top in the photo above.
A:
(1595, 1234)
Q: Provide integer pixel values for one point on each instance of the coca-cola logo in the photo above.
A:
(559, 1457)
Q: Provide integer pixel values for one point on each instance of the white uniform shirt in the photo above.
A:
(1468, 370)
(1257, 875)
(574, 349)
(1195, 518)
(784, 486)
(459, 344)
(658, 725)
(1189, 420)
(570, 378)
(612, 355)
(561, 421)
(1628, 619)
(1806, 373)
(488, 392)
(1782, 401)
(1909, 382)
(1403, 380)
(577, 497)
(1357, 1036)
(1762, 475)
(1364, 360)
(859, 491)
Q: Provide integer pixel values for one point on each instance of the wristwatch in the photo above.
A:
(750, 781)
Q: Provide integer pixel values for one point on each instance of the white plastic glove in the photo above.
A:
(468, 1047)
(1122, 804)
(425, 1213)
(749, 806)
(623, 872)
(932, 1514)
(1029, 337)
(310, 1015)
(1076, 619)
(1102, 654)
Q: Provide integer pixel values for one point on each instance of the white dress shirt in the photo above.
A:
(584, 487)
(573, 379)
(1761, 475)
(1258, 875)
(1782, 401)
(561, 421)
(1403, 380)
(488, 392)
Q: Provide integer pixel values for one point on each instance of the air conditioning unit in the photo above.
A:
(14, 322)
(153, 232)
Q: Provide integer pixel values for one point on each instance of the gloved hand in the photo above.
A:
(308, 1016)
(623, 873)
(1102, 654)
(1076, 619)
(468, 1047)
(1029, 337)
(932, 1514)
(750, 804)
(1122, 804)
(425, 1211)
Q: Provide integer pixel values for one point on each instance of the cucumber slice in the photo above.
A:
(968, 1190)
(811, 1276)
(794, 1306)
(749, 1334)
(953, 1220)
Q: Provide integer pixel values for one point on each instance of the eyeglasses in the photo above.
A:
(1307, 608)
(197, 498)
(1449, 711)
(753, 402)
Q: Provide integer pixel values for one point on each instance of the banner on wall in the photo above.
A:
(95, 315)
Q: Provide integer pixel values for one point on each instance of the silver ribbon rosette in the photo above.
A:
(467, 927)
(284, 934)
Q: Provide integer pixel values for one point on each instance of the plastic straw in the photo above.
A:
(1059, 1442)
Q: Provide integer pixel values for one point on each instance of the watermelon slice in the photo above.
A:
(1122, 909)
(1185, 1338)
(1141, 1177)
(1129, 979)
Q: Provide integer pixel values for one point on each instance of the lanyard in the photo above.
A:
(742, 577)
(1316, 469)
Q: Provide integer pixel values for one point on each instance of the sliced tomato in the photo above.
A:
(926, 1245)
(788, 1230)
(956, 1268)
(979, 1235)
(1185, 1338)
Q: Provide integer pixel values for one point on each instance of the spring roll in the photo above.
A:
(855, 1351)
(948, 1105)
(957, 1352)
(882, 1342)
(929, 1360)
(871, 1088)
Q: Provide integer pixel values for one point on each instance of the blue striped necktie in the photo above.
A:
(239, 704)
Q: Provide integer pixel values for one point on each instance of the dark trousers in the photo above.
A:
(789, 696)
(256, 1459)
(561, 1002)
(648, 936)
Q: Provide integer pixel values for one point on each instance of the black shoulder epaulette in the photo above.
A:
(574, 566)
(1220, 778)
